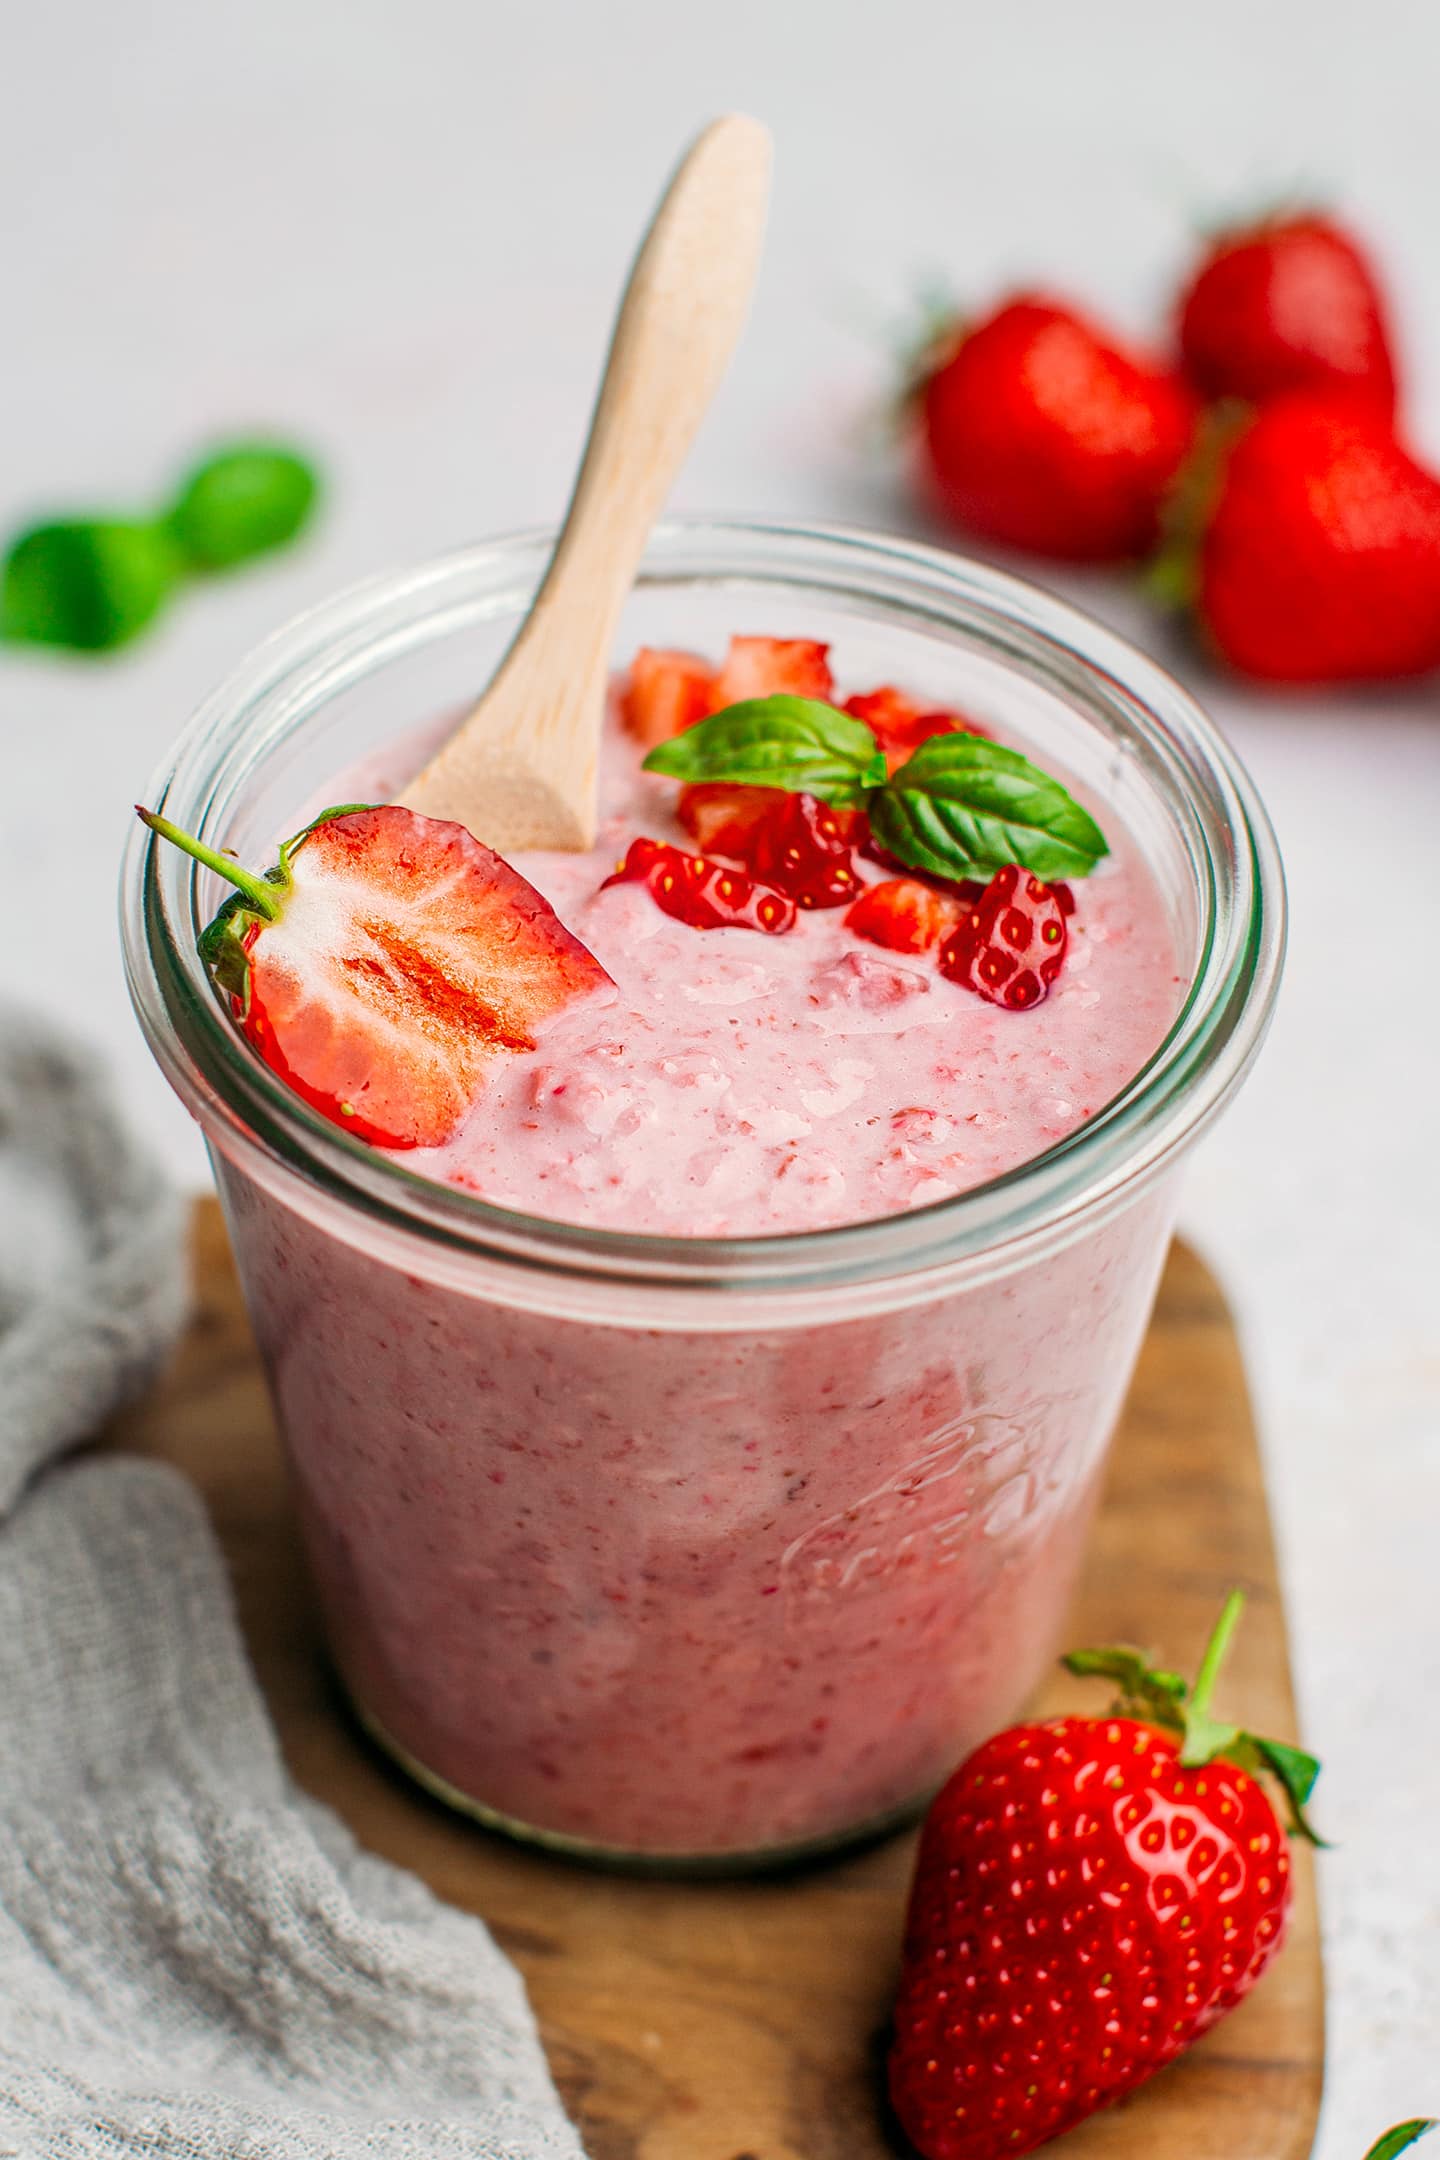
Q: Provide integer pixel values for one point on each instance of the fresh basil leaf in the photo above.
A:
(963, 807)
(1400, 2138)
(240, 502)
(86, 583)
(780, 742)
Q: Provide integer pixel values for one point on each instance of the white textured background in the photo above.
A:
(397, 229)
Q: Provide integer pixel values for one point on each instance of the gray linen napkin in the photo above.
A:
(195, 1960)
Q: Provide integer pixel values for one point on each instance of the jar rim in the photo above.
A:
(1047, 1200)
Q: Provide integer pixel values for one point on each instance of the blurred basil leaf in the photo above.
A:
(87, 583)
(241, 501)
(92, 584)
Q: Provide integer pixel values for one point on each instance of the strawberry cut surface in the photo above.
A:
(907, 915)
(721, 818)
(761, 667)
(405, 958)
(1083, 1908)
(664, 693)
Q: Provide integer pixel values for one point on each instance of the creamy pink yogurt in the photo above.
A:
(744, 1581)
(742, 1084)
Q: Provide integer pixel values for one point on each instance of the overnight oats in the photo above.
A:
(698, 1279)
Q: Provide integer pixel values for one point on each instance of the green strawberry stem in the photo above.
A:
(1162, 1698)
(936, 330)
(1215, 1650)
(1400, 2138)
(262, 896)
(1204, 1738)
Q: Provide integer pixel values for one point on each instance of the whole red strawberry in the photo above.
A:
(1320, 557)
(1289, 303)
(1042, 432)
(1091, 1894)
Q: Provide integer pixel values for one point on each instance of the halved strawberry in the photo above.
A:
(706, 895)
(722, 817)
(761, 667)
(905, 914)
(385, 963)
(664, 693)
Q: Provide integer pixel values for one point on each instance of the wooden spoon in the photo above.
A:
(520, 769)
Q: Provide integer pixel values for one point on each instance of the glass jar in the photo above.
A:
(701, 1552)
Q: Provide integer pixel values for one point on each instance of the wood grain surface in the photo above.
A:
(744, 2021)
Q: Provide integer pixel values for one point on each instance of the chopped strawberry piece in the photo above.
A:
(722, 817)
(871, 849)
(1010, 944)
(761, 667)
(707, 895)
(793, 842)
(905, 914)
(665, 693)
(404, 957)
(806, 849)
(900, 725)
(900, 722)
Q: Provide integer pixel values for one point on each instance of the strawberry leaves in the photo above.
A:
(1297, 1773)
(1144, 1691)
(799, 744)
(960, 807)
(1164, 1698)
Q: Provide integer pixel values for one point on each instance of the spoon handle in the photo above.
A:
(679, 322)
(520, 770)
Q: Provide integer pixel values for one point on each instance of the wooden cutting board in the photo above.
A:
(744, 2021)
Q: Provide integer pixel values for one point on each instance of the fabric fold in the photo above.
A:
(195, 1958)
